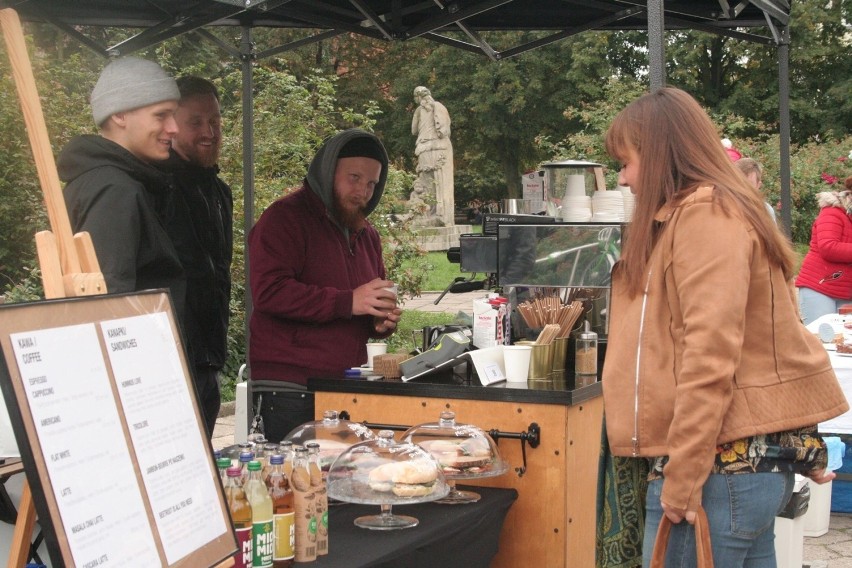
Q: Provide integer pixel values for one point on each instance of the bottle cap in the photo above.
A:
(246, 456)
(223, 463)
(276, 459)
(254, 465)
(234, 472)
(587, 334)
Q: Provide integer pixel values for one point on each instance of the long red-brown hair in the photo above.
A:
(679, 151)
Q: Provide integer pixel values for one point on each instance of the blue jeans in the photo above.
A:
(741, 511)
(813, 305)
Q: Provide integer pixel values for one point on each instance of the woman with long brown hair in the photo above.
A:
(709, 373)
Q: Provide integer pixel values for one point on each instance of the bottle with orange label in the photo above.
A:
(321, 500)
(305, 504)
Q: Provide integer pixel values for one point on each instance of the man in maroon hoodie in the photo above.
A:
(318, 281)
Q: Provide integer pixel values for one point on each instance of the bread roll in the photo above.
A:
(405, 479)
(380, 477)
(414, 472)
(407, 490)
(460, 454)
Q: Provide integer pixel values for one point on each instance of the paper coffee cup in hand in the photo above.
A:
(393, 289)
(374, 349)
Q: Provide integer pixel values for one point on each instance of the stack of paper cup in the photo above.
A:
(577, 209)
(629, 201)
(576, 186)
(607, 207)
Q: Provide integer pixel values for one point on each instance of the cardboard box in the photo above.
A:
(534, 192)
(491, 324)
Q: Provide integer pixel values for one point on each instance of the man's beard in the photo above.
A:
(352, 220)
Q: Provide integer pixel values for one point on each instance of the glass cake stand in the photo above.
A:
(333, 435)
(464, 452)
(384, 472)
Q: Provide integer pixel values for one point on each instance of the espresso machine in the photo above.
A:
(562, 248)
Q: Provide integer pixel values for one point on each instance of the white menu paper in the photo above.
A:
(79, 428)
(170, 448)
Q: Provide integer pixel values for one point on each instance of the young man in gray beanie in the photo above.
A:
(113, 190)
(318, 280)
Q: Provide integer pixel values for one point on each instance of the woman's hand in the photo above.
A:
(676, 515)
(821, 476)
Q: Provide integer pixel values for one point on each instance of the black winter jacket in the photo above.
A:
(121, 201)
(200, 225)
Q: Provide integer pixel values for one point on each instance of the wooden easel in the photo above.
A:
(69, 265)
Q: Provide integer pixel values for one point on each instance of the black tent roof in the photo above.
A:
(400, 20)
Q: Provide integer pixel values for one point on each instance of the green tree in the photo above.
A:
(739, 77)
(498, 108)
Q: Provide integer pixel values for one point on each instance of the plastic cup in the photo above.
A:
(374, 349)
(516, 359)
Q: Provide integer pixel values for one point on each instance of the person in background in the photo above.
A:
(114, 191)
(201, 227)
(709, 374)
(318, 280)
(753, 172)
(732, 152)
(825, 279)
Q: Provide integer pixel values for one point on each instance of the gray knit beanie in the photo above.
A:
(129, 83)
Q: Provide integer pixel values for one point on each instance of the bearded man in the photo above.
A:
(318, 280)
(199, 222)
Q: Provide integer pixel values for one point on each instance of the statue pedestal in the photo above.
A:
(433, 239)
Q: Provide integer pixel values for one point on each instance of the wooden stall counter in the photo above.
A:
(553, 521)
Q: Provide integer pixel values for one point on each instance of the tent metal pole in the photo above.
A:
(247, 61)
(784, 131)
(656, 44)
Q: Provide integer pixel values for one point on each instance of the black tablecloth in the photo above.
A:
(447, 536)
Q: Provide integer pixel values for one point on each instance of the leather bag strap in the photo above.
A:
(702, 541)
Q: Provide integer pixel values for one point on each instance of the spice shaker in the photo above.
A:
(586, 356)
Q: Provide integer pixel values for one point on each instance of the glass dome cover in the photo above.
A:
(464, 451)
(333, 435)
(385, 472)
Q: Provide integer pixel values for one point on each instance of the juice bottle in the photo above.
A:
(285, 448)
(261, 518)
(222, 464)
(269, 450)
(305, 504)
(283, 514)
(240, 510)
(321, 500)
(245, 458)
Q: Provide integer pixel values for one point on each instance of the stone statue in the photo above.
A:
(434, 151)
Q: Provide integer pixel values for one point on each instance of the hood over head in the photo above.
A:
(841, 199)
(350, 143)
(89, 152)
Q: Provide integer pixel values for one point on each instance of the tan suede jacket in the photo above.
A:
(712, 351)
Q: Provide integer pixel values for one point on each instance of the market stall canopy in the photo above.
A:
(398, 20)
(458, 23)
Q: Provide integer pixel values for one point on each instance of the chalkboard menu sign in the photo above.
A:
(105, 416)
